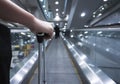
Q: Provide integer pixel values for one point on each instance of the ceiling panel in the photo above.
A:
(83, 12)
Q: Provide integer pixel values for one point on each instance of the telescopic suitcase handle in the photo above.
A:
(41, 36)
(41, 46)
(40, 39)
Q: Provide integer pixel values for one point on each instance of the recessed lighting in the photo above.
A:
(57, 23)
(103, 8)
(71, 36)
(57, 18)
(80, 35)
(57, 2)
(57, 9)
(41, 0)
(67, 17)
(45, 11)
(105, 0)
(85, 32)
(107, 49)
(94, 44)
(63, 12)
(99, 14)
(65, 23)
(64, 26)
(99, 32)
(93, 15)
(83, 14)
(56, 14)
(43, 6)
(94, 12)
(22, 33)
(85, 25)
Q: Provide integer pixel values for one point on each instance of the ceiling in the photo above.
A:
(80, 12)
(84, 12)
(63, 7)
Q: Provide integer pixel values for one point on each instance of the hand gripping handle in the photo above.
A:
(41, 36)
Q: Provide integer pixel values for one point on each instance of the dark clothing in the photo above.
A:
(57, 31)
(5, 54)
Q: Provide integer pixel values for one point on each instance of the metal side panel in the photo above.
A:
(91, 73)
(23, 72)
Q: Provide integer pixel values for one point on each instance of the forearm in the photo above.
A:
(11, 12)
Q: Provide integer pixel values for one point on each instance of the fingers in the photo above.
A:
(49, 32)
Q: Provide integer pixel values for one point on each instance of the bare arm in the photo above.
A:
(11, 12)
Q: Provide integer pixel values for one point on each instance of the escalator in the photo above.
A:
(59, 67)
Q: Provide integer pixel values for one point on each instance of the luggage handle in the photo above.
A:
(40, 39)
(41, 36)
(41, 46)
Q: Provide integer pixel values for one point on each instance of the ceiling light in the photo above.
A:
(43, 6)
(83, 14)
(71, 36)
(57, 24)
(57, 18)
(65, 26)
(80, 35)
(41, 0)
(22, 33)
(99, 32)
(67, 17)
(57, 2)
(63, 12)
(86, 36)
(80, 43)
(103, 8)
(93, 15)
(94, 44)
(94, 12)
(29, 35)
(45, 10)
(65, 23)
(56, 14)
(85, 25)
(85, 32)
(99, 14)
(107, 49)
(57, 9)
(105, 0)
